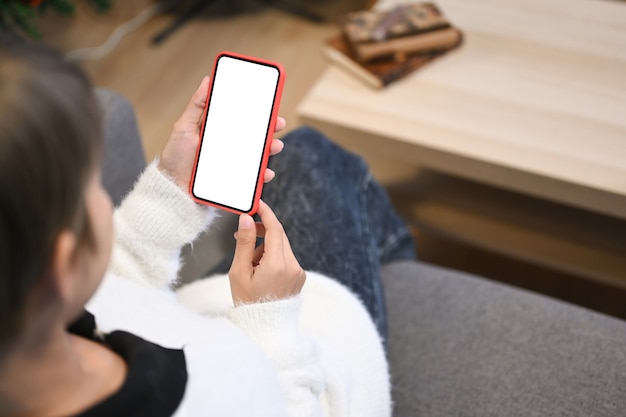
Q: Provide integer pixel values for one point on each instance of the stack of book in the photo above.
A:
(383, 47)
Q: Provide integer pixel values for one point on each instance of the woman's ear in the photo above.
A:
(64, 268)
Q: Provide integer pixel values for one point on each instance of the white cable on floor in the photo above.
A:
(97, 52)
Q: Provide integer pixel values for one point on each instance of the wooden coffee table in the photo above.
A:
(529, 114)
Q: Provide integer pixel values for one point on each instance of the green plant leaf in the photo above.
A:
(22, 15)
(63, 6)
(100, 5)
(18, 15)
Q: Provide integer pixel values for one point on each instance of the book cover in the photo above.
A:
(379, 73)
(408, 28)
(436, 40)
(406, 19)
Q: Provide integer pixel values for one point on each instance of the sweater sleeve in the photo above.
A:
(274, 327)
(152, 225)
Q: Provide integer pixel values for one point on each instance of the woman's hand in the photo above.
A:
(177, 157)
(269, 271)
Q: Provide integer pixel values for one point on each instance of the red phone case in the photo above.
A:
(268, 139)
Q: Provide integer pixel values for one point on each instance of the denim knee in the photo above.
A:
(313, 149)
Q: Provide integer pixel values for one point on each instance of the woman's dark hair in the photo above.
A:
(50, 143)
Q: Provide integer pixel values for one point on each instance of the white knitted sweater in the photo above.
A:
(317, 354)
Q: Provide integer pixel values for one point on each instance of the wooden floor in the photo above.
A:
(159, 80)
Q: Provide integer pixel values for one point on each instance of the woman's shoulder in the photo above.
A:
(221, 361)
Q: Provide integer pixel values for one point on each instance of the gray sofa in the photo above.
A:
(459, 345)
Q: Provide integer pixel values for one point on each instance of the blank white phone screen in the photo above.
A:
(236, 128)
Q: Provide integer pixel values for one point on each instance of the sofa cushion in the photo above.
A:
(462, 345)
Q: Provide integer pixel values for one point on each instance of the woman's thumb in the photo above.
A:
(246, 242)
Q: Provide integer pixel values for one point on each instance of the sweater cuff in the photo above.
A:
(161, 213)
(270, 324)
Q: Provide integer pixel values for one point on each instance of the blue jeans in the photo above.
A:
(338, 219)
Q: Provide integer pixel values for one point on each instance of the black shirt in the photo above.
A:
(156, 378)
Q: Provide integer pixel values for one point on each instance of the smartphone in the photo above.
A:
(235, 137)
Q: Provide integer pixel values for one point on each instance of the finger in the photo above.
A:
(276, 147)
(273, 229)
(244, 250)
(260, 231)
(281, 123)
(268, 175)
(192, 116)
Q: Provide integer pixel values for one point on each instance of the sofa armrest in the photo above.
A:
(461, 345)
(124, 157)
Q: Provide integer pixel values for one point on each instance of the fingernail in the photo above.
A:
(245, 222)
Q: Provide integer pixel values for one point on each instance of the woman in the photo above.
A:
(258, 341)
